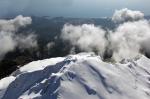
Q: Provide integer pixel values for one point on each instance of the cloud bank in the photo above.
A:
(6, 43)
(87, 37)
(13, 25)
(125, 14)
(130, 38)
(9, 40)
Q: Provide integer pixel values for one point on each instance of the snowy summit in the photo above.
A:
(81, 76)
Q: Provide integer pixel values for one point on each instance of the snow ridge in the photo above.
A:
(81, 76)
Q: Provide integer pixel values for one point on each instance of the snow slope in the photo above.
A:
(81, 76)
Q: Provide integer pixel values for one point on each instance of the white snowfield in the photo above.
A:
(81, 76)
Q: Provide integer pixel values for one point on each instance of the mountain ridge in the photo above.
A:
(80, 76)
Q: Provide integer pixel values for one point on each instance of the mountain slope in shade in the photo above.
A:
(81, 76)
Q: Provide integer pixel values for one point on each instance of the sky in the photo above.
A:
(70, 8)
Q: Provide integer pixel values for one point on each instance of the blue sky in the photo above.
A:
(70, 8)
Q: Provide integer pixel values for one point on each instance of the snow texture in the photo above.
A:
(81, 76)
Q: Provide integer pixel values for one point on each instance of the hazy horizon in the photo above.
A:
(70, 8)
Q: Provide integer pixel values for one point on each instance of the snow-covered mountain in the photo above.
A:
(81, 76)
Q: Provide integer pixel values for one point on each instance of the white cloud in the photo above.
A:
(27, 41)
(13, 25)
(7, 43)
(50, 45)
(129, 38)
(9, 40)
(87, 37)
(125, 14)
(125, 42)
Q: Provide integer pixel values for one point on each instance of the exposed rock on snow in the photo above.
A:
(81, 76)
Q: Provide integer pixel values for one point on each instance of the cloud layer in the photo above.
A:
(87, 37)
(13, 25)
(6, 43)
(9, 40)
(130, 38)
(127, 41)
(125, 14)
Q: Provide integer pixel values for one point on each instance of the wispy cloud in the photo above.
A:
(9, 40)
(126, 41)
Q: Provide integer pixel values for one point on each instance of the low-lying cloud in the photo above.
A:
(9, 40)
(50, 45)
(127, 41)
(130, 38)
(13, 25)
(7, 43)
(87, 37)
(125, 14)
(26, 41)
